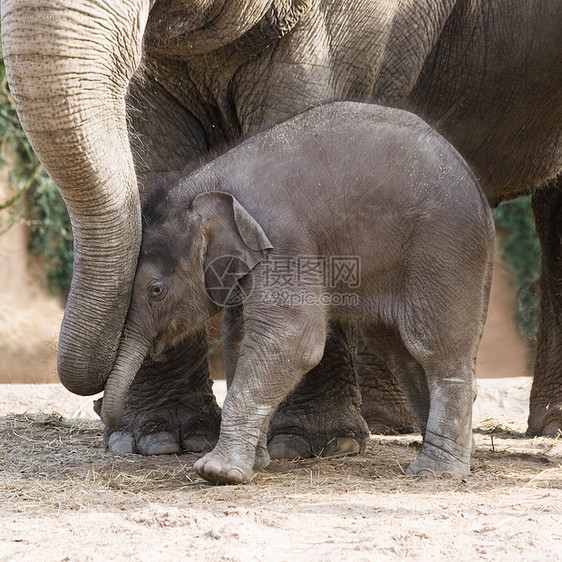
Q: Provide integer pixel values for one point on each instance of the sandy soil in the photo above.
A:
(63, 497)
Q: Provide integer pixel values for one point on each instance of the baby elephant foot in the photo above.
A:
(546, 420)
(433, 461)
(219, 468)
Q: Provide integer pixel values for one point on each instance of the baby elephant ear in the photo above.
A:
(236, 243)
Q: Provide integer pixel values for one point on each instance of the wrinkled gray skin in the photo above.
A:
(389, 191)
(114, 94)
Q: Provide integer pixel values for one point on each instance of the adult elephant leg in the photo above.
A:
(322, 417)
(545, 416)
(384, 405)
(170, 406)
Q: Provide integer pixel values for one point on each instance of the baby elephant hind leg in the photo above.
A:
(447, 439)
(441, 329)
(274, 355)
(446, 351)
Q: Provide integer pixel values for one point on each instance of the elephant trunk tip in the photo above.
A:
(81, 385)
(110, 415)
(78, 372)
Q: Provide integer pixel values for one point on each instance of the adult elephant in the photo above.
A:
(114, 94)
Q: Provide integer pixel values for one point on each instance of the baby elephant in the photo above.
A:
(349, 212)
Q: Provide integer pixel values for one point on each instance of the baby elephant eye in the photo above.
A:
(157, 289)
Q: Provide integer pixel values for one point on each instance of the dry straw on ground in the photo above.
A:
(63, 497)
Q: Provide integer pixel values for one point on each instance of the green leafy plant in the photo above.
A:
(34, 198)
(521, 251)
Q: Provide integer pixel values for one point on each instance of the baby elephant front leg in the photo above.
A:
(267, 370)
(236, 462)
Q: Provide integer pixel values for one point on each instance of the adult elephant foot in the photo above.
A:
(322, 417)
(546, 420)
(384, 405)
(545, 408)
(170, 407)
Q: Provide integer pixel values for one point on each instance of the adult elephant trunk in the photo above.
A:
(69, 64)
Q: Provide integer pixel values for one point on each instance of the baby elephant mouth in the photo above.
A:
(174, 335)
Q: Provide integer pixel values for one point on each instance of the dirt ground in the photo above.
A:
(63, 497)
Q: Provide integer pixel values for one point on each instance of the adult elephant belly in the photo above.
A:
(498, 101)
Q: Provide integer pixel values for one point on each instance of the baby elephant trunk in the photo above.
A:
(131, 354)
